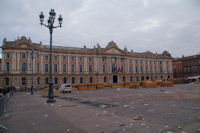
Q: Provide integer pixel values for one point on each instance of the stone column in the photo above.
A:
(148, 66)
(95, 63)
(13, 61)
(77, 70)
(134, 71)
(42, 63)
(153, 67)
(60, 64)
(18, 61)
(85, 64)
(68, 63)
(157, 66)
(164, 66)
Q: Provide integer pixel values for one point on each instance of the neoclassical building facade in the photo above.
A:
(78, 65)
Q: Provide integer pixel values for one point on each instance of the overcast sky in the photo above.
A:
(141, 25)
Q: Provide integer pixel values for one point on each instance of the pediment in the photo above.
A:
(113, 51)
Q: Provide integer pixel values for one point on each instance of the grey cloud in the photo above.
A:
(141, 25)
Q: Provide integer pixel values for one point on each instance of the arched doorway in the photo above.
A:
(114, 78)
(142, 78)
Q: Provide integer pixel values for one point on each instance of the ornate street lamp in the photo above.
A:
(50, 25)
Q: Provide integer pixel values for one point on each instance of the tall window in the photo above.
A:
(56, 80)
(137, 78)
(55, 68)
(130, 69)
(105, 79)
(38, 80)
(122, 68)
(72, 67)
(23, 55)
(73, 80)
(23, 81)
(64, 67)
(160, 62)
(80, 59)
(136, 69)
(38, 56)
(131, 78)
(90, 79)
(46, 57)
(124, 79)
(103, 59)
(141, 69)
(7, 81)
(141, 61)
(90, 68)
(160, 69)
(81, 80)
(8, 55)
(64, 58)
(146, 69)
(113, 68)
(46, 80)
(64, 80)
(81, 68)
(46, 68)
(136, 61)
(90, 59)
(55, 58)
(38, 67)
(72, 59)
(23, 66)
(104, 69)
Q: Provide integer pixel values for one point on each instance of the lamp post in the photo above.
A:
(51, 27)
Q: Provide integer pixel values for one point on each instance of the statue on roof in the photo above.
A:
(112, 45)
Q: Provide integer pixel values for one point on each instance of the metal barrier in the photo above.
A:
(4, 102)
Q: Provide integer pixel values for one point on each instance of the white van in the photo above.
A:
(65, 88)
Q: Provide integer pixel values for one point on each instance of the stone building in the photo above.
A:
(186, 66)
(78, 65)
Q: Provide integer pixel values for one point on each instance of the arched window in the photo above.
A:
(90, 68)
(7, 81)
(64, 80)
(38, 80)
(23, 81)
(56, 80)
(81, 80)
(46, 80)
(90, 79)
(105, 79)
(73, 80)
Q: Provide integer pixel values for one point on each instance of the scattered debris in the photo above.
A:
(68, 130)
(179, 127)
(138, 118)
(105, 106)
(146, 104)
(126, 106)
(98, 125)
(122, 125)
(70, 105)
(45, 115)
(166, 126)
